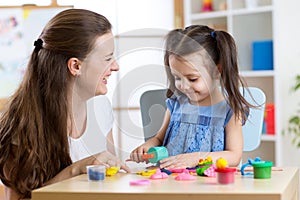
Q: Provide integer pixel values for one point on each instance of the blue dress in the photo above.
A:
(196, 128)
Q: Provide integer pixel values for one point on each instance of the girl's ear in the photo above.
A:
(74, 66)
(217, 72)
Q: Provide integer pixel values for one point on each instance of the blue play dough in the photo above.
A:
(96, 176)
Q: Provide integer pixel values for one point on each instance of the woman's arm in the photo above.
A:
(232, 153)
(110, 145)
(157, 140)
(79, 167)
(11, 194)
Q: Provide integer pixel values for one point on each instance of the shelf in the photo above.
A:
(258, 73)
(246, 24)
(246, 11)
(225, 13)
(205, 15)
(271, 138)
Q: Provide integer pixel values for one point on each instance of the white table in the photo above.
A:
(283, 185)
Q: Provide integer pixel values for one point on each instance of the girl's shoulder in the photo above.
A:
(174, 102)
(177, 99)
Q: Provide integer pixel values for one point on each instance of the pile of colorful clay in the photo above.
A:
(205, 167)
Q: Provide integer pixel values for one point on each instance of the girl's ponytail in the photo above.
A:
(230, 80)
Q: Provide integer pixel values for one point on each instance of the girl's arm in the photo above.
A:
(232, 153)
(157, 140)
(234, 142)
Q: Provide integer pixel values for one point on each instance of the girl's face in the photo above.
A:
(192, 78)
(98, 66)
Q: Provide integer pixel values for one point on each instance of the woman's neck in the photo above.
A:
(78, 118)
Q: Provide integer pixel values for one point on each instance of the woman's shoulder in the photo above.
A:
(99, 100)
(99, 114)
(99, 104)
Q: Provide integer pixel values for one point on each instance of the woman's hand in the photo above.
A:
(79, 167)
(179, 161)
(103, 158)
(109, 160)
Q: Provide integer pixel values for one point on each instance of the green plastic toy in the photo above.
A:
(156, 154)
(262, 169)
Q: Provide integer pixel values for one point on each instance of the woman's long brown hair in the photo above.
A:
(33, 129)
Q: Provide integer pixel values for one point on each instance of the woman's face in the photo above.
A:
(97, 67)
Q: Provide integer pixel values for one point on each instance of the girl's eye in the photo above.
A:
(108, 59)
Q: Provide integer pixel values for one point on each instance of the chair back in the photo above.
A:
(153, 108)
(253, 127)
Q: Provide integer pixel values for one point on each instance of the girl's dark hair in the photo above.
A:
(221, 48)
(33, 130)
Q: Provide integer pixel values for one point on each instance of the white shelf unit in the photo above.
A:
(246, 25)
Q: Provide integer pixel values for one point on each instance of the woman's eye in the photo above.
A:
(108, 59)
(193, 79)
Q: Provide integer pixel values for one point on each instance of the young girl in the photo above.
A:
(41, 129)
(205, 109)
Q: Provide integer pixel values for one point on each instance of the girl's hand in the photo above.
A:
(136, 154)
(179, 161)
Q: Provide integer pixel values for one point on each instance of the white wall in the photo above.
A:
(287, 56)
(139, 26)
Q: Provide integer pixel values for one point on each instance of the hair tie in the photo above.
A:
(38, 44)
(213, 34)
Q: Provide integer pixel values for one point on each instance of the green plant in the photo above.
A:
(294, 120)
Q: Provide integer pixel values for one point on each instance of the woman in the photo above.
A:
(71, 62)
